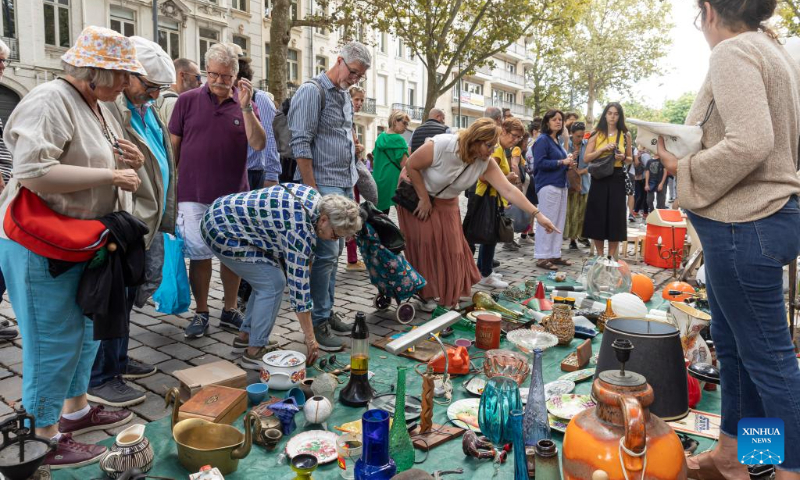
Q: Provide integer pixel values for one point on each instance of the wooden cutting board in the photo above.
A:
(438, 435)
(423, 351)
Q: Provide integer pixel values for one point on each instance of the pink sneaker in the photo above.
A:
(69, 453)
(98, 418)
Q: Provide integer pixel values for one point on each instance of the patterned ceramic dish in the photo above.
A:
(579, 375)
(568, 405)
(557, 424)
(558, 387)
(320, 443)
(464, 414)
(527, 340)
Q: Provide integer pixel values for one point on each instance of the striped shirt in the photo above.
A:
(325, 137)
(266, 159)
(429, 129)
(5, 158)
(265, 226)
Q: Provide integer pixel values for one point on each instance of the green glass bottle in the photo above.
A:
(400, 447)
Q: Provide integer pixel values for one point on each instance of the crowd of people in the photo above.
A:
(138, 142)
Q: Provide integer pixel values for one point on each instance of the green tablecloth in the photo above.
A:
(262, 464)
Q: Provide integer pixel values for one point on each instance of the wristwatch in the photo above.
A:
(248, 108)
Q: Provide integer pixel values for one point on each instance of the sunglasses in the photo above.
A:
(215, 75)
(152, 88)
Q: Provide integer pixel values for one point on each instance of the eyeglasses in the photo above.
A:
(515, 136)
(5, 61)
(700, 26)
(334, 235)
(490, 145)
(354, 73)
(215, 75)
(151, 88)
(404, 122)
(196, 76)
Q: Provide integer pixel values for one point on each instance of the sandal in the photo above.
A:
(546, 265)
(560, 261)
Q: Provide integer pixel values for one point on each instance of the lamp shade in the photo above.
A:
(658, 355)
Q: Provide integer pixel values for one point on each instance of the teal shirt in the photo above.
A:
(151, 132)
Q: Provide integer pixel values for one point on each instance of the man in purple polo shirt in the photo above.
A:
(210, 129)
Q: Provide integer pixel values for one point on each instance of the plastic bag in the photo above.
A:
(173, 295)
(521, 218)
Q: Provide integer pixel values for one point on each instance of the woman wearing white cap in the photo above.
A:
(68, 150)
(154, 204)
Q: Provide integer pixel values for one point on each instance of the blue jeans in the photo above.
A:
(112, 356)
(759, 374)
(323, 268)
(486, 259)
(57, 345)
(264, 304)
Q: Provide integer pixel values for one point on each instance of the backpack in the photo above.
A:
(283, 136)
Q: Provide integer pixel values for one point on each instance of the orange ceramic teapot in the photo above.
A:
(620, 437)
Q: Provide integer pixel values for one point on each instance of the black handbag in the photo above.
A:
(484, 223)
(388, 233)
(406, 196)
(604, 167)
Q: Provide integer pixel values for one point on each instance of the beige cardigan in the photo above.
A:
(747, 169)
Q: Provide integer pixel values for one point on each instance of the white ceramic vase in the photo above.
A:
(317, 409)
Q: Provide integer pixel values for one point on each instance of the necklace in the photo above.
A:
(107, 132)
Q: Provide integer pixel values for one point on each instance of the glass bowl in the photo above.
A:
(505, 363)
(527, 340)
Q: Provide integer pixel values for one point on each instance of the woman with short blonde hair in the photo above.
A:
(390, 153)
(440, 170)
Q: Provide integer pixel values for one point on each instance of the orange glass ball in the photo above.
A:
(686, 289)
(642, 286)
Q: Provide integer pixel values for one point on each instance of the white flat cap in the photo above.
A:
(155, 61)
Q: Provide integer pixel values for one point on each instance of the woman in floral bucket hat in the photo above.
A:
(67, 149)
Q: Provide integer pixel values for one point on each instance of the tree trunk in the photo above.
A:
(431, 95)
(590, 107)
(280, 26)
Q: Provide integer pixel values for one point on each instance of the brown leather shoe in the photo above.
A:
(69, 453)
(98, 418)
(702, 467)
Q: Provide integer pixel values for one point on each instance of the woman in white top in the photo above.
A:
(444, 167)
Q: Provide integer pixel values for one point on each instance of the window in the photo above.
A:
(511, 68)
(409, 54)
(239, 5)
(56, 23)
(502, 96)
(380, 90)
(123, 21)
(292, 13)
(321, 65)
(208, 37)
(169, 37)
(242, 42)
(9, 19)
(266, 61)
(292, 66)
(382, 42)
(399, 90)
(470, 87)
(401, 47)
(360, 133)
(322, 12)
(463, 121)
(412, 93)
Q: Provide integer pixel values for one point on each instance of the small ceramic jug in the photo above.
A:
(131, 449)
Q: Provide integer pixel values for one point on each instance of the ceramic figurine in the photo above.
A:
(285, 410)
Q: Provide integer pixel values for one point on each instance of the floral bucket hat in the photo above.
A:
(104, 48)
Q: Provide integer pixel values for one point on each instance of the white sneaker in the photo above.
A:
(493, 282)
(426, 305)
(496, 275)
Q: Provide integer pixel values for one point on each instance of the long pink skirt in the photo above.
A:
(437, 249)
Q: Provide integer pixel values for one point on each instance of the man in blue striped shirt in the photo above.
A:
(262, 165)
(322, 143)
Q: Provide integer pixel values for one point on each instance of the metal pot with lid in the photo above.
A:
(283, 369)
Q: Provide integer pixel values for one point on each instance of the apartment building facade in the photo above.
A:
(40, 31)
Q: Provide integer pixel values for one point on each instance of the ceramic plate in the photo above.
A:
(578, 375)
(467, 410)
(320, 443)
(476, 385)
(558, 387)
(557, 424)
(568, 405)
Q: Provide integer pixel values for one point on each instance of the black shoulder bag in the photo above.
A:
(406, 196)
(604, 167)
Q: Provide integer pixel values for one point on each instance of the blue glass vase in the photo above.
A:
(520, 458)
(500, 397)
(535, 423)
(375, 463)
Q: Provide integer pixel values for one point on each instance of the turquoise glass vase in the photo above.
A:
(500, 397)
(520, 458)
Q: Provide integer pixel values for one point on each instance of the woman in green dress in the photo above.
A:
(391, 151)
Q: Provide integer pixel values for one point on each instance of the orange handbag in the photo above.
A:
(35, 226)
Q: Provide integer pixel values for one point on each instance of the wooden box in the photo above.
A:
(215, 403)
(222, 373)
(579, 358)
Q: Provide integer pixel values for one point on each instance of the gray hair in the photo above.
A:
(224, 54)
(356, 52)
(343, 214)
(4, 50)
(100, 77)
(494, 113)
(357, 89)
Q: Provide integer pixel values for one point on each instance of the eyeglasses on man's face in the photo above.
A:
(697, 19)
(5, 61)
(353, 72)
(225, 78)
(196, 76)
(151, 88)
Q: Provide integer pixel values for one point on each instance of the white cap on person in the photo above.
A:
(158, 64)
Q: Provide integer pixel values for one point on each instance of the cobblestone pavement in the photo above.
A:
(158, 339)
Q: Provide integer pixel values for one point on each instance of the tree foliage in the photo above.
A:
(789, 12)
(617, 43)
(675, 111)
(455, 37)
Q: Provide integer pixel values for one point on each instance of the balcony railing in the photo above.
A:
(369, 107)
(13, 45)
(516, 108)
(414, 112)
(508, 76)
(517, 49)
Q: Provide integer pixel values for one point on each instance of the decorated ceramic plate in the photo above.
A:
(558, 387)
(568, 405)
(320, 443)
(464, 414)
(578, 375)
(557, 424)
